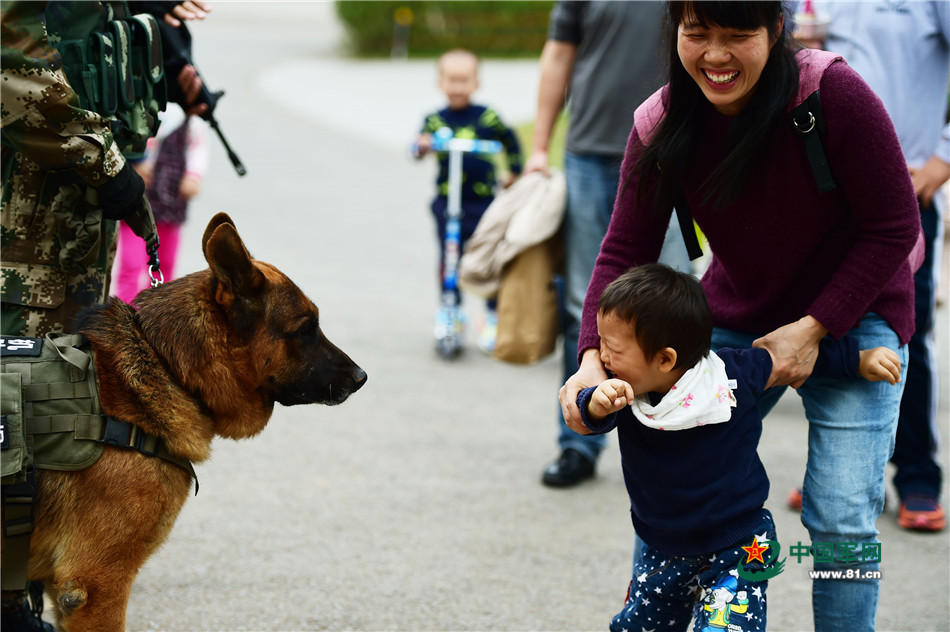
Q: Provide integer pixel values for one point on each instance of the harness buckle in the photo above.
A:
(116, 433)
(141, 441)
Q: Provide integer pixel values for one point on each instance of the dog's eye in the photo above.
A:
(309, 328)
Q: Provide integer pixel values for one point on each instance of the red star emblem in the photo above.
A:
(755, 551)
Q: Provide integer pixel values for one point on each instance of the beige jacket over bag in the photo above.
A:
(525, 214)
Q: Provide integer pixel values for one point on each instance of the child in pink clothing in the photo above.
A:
(172, 170)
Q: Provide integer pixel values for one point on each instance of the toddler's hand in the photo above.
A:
(879, 363)
(422, 146)
(610, 396)
(590, 373)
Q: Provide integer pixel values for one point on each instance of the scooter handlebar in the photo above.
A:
(467, 145)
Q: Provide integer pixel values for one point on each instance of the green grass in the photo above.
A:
(525, 132)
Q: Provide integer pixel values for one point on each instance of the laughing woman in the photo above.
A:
(791, 264)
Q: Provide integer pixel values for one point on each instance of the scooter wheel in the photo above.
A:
(448, 347)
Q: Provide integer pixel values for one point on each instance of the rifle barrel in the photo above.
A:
(235, 161)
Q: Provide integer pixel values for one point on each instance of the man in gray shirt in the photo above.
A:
(607, 57)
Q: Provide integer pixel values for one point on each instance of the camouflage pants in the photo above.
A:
(56, 251)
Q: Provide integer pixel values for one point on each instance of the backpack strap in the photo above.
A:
(685, 218)
(809, 123)
(646, 119)
(806, 114)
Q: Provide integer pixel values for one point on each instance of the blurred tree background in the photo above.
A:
(422, 28)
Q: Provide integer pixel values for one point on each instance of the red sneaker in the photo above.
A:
(794, 500)
(921, 513)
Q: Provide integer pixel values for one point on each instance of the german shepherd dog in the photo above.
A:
(205, 355)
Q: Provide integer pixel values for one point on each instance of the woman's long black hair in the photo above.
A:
(666, 160)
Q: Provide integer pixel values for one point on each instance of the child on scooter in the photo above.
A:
(458, 80)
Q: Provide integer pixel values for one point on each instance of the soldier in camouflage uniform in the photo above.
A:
(54, 240)
(79, 98)
(82, 85)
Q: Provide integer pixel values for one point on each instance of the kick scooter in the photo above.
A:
(449, 327)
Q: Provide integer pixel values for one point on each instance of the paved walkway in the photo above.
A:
(417, 504)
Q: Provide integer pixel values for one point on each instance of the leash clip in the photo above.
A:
(154, 267)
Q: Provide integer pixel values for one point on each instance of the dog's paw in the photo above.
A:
(71, 597)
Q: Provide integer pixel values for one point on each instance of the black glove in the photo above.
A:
(120, 195)
(123, 197)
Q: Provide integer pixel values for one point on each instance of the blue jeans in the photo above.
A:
(851, 428)
(591, 187)
(669, 590)
(915, 451)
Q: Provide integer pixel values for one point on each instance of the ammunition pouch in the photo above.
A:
(117, 71)
(58, 403)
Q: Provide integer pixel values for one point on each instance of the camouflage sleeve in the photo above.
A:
(40, 114)
(508, 138)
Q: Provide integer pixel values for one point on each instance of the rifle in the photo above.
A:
(211, 98)
(176, 52)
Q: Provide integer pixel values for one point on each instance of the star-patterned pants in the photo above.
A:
(669, 590)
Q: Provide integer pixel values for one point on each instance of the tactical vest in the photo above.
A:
(52, 420)
(113, 61)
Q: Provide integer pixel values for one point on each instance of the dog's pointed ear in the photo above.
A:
(217, 220)
(231, 265)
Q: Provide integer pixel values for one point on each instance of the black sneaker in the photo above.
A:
(571, 468)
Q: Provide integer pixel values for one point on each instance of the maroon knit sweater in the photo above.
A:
(782, 249)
